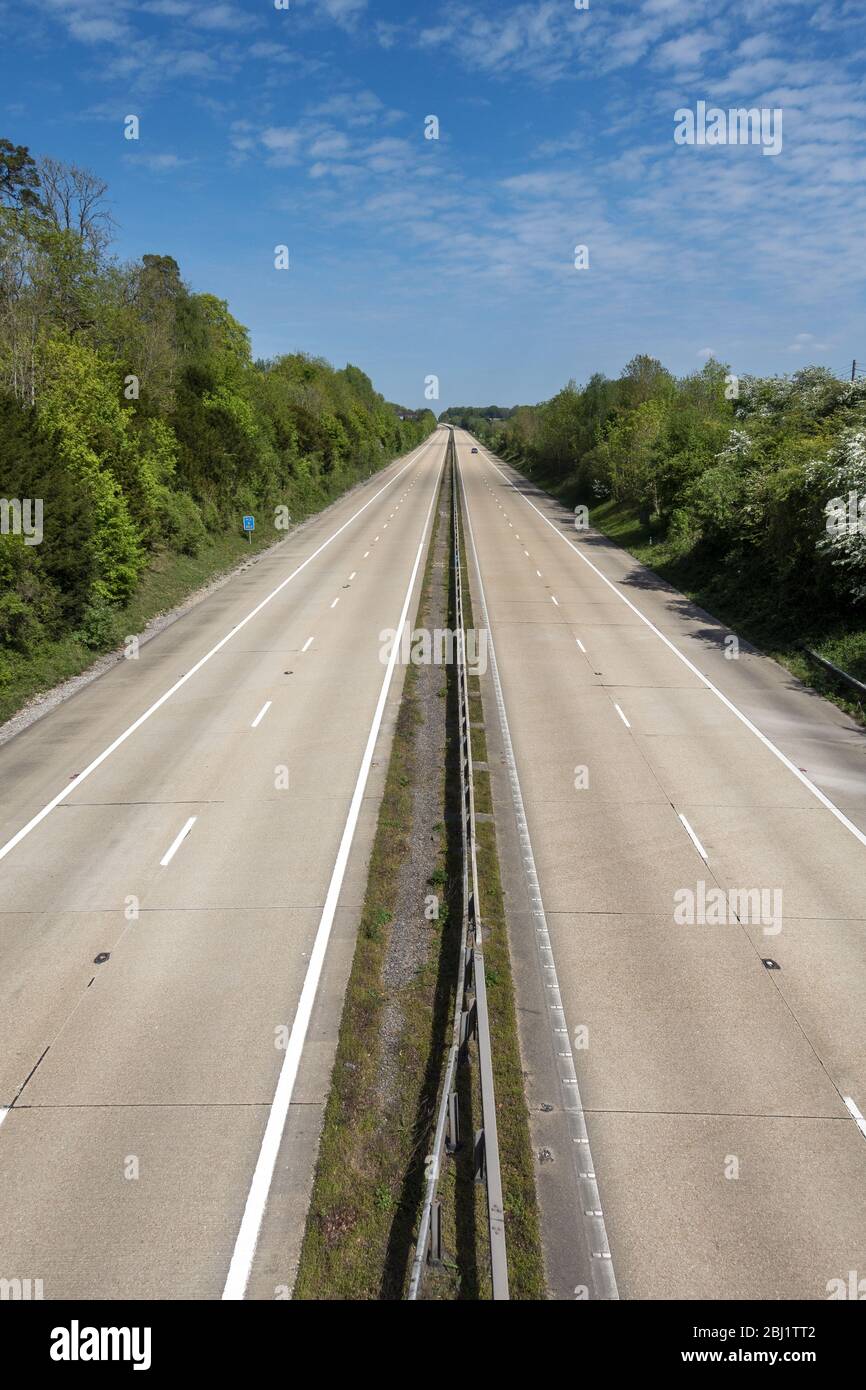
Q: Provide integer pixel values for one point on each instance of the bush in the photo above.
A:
(180, 523)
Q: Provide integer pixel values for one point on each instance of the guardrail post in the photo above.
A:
(434, 1246)
(480, 1156)
(452, 1132)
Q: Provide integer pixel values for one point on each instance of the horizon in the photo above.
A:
(308, 127)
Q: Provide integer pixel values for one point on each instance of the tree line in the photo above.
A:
(759, 482)
(133, 408)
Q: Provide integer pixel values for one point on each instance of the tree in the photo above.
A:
(73, 200)
(19, 178)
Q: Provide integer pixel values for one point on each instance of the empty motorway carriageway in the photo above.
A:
(185, 848)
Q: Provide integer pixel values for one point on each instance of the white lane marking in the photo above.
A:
(858, 1118)
(554, 599)
(580, 644)
(157, 704)
(177, 842)
(375, 539)
(526, 553)
(693, 837)
(4, 1111)
(366, 553)
(307, 644)
(352, 575)
(705, 680)
(538, 572)
(248, 1235)
(336, 601)
(261, 714)
(584, 1169)
(621, 715)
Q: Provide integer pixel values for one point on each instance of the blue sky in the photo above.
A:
(455, 257)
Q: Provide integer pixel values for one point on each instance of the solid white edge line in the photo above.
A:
(705, 680)
(693, 837)
(621, 715)
(592, 1215)
(254, 1210)
(261, 714)
(859, 1121)
(177, 842)
(157, 704)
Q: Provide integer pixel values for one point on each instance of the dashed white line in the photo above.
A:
(307, 644)
(857, 1117)
(554, 599)
(621, 715)
(580, 644)
(705, 680)
(177, 842)
(693, 837)
(76, 782)
(366, 553)
(336, 601)
(254, 1209)
(261, 714)
(352, 575)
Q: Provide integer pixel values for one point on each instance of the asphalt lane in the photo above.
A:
(198, 856)
(719, 1096)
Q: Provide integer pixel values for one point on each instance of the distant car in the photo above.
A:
(474, 450)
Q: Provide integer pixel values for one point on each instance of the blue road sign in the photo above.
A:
(249, 523)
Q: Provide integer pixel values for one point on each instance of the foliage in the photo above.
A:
(736, 476)
(132, 407)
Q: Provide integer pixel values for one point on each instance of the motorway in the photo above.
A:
(720, 1096)
(183, 851)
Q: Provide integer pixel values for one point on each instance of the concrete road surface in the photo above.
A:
(720, 1096)
(176, 930)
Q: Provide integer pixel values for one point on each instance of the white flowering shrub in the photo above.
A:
(844, 538)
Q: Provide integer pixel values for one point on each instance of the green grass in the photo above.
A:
(369, 1180)
(370, 1168)
(168, 580)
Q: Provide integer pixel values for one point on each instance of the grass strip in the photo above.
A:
(369, 1175)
